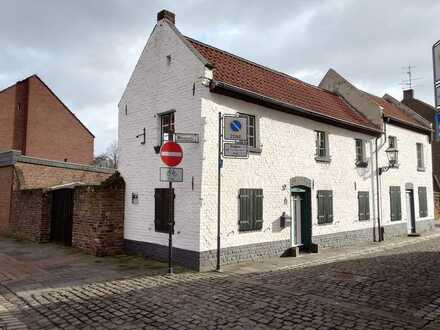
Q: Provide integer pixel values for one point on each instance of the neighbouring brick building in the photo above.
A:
(37, 123)
(24, 173)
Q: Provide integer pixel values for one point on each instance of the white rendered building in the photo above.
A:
(317, 148)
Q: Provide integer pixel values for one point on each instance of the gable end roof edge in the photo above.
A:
(189, 46)
(219, 85)
(63, 104)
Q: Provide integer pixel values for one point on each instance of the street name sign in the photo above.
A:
(171, 174)
(171, 153)
(235, 150)
(186, 138)
(235, 128)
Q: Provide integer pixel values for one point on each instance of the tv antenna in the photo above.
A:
(409, 83)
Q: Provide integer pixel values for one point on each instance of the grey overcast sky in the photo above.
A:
(85, 50)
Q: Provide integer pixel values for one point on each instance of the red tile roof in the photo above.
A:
(244, 74)
(392, 111)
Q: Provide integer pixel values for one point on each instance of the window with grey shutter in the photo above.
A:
(161, 209)
(423, 205)
(253, 133)
(325, 206)
(395, 203)
(420, 157)
(250, 209)
(364, 205)
(322, 153)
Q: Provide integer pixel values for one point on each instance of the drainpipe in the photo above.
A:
(380, 236)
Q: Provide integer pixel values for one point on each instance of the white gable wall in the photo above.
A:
(157, 86)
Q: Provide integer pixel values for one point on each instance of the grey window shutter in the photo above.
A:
(395, 203)
(259, 209)
(423, 206)
(364, 205)
(244, 218)
(327, 145)
(329, 213)
(317, 143)
(321, 206)
(325, 206)
(367, 205)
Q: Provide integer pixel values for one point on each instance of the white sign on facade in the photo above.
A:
(235, 150)
(171, 174)
(186, 138)
(235, 128)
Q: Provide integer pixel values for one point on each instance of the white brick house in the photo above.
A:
(181, 85)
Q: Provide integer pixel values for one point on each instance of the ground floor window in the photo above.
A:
(423, 205)
(395, 203)
(161, 209)
(364, 205)
(250, 209)
(325, 206)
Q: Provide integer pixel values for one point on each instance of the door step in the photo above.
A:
(413, 235)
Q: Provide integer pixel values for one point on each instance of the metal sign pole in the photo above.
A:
(220, 141)
(170, 228)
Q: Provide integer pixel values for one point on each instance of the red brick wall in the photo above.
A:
(98, 219)
(6, 174)
(30, 215)
(52, 131)
(31, 176)
(7, 101)
(21, 115)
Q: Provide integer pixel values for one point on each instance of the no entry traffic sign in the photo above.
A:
(171, 153)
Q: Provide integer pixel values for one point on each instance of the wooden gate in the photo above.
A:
(61, 220)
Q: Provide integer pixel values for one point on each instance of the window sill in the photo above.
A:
(325, 159)
(421, 169)
(362, 164)
(255, 150)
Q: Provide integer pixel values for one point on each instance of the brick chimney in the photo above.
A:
(408, 94)
(165, 14)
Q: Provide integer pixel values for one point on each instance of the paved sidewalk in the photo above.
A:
(326, 255)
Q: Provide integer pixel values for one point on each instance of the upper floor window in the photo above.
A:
(392, 142)
(322, 146)
(360, 153)
(252, 132)
(420, 157)
(166, 125)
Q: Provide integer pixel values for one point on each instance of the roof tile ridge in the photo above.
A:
(258, 65)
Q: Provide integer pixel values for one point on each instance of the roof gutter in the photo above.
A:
(231, 90)
(409, 125)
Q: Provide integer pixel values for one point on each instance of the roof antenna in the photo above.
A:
(409, 83)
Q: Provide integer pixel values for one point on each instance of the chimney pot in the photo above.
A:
(408, 94)
(165, 14)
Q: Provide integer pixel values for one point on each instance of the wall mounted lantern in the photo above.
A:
(392, 154)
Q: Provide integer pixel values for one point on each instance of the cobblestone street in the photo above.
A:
(391, 286)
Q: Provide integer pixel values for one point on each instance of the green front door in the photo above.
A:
(302, 214)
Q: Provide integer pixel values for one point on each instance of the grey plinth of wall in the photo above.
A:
(206, 260)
